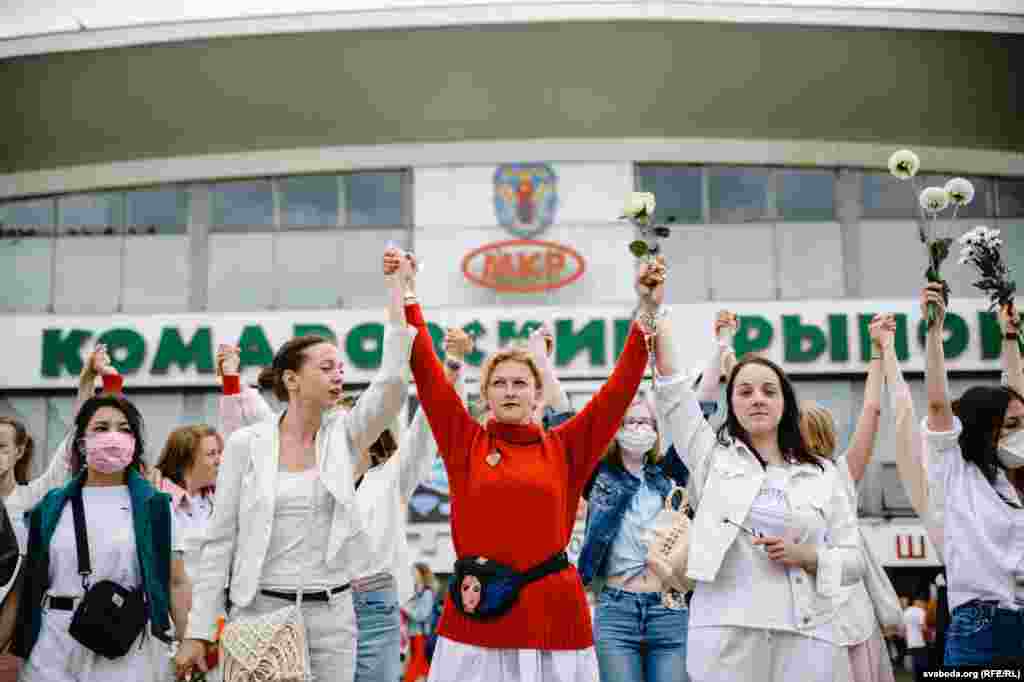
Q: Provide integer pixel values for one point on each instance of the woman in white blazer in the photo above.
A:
(769, 515)
(286, 518)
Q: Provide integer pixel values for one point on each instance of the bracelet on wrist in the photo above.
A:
(1010, 336)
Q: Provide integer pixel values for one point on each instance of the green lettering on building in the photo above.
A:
(802, 342)
(172, 350)
(507, 330)
(253, 348)
(318, 329)
(622, 327)
(838, 338)
(899, 340)
(956, 335)
(570, 344)
(754, 334)
(365, 345)
(127, 349)
(991, 335)
(437, 337)
(62, 351)
(477, 330)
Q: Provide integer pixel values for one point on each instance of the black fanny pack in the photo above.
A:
(109, 617)
(482, 588)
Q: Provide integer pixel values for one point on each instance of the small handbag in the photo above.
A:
(272, 647)
(668, 546)
(883, 595)
(109, 616)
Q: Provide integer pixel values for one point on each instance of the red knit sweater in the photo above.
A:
(521, 511)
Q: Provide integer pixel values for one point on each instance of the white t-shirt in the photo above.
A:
(108, 517)
(913, 619)
(191, 517)
(729, 599)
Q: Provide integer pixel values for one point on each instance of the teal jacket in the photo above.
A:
(151, 516)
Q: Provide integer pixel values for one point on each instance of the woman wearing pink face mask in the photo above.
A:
(132, 542)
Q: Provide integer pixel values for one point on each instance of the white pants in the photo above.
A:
(330, 632)
(458, 662)
(735, 654)
(58, 657)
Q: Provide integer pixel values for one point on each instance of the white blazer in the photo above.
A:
(238, 534)
(725, 479)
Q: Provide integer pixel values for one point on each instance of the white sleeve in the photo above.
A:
(57, 474)
(689, 431)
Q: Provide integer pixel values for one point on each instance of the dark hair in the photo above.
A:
(791, 441)
(384, 446)
(22, 438)
(981, 410)
(180, 450)
(89, 408)
(289, 356)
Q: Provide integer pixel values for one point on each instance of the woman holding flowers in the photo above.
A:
(514, 494)
(973, 444)
(856, 628)
(770, 514)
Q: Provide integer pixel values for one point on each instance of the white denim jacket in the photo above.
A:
(239, 531)
(725, 479)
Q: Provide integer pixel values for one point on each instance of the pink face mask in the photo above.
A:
(110, 451)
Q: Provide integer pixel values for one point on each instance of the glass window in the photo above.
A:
(374, 198)
(241, 205)
(1011, 198)
(157, 211)
(310, 201)
(805, 194)
(29, 218)
(678, 192)
(887, 197)
(738, 194)
(89, 215)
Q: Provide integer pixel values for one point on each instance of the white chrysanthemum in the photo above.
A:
(934, 199)
(960, 191)
(639, 204)
(904, 164)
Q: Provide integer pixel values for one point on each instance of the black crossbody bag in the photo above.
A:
(109, 617)
(483, 589)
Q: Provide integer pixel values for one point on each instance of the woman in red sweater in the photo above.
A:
(514, 493)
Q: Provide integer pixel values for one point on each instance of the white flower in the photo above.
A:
(904, 164)
(960, 191)
(933, 199)
(639, 206)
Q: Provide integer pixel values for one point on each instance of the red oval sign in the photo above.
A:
(523, 266)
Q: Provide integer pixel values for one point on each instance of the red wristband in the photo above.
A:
(113, 383)
(232, 384)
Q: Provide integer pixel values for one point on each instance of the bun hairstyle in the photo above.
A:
(289, 356)
(818, 430)
(22, 439)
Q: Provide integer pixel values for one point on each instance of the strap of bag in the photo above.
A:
(683, 498)
(81, 539)
(552, 565)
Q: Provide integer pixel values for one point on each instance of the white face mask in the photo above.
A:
(1011, 450)
(636, 440)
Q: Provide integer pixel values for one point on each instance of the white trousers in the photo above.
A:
(736, 654)
(58, 657)
(330, 632)
(458, 662)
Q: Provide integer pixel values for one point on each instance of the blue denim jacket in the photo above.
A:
(608, 494)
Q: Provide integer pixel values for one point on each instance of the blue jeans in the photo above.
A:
(378, 652)
(980, 633)
(639, 640)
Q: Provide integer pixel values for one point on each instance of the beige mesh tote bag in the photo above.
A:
(668, 543)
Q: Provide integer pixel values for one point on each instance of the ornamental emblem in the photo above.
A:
(525, 197)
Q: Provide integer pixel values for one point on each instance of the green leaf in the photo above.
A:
(638, 248)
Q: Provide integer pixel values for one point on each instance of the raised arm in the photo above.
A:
(542, 345)
(1010, 325)
(418, 449)
(449, 420)
(711, 378)
(239, 405)
(940, 411)
(862, 445)
(588, 433)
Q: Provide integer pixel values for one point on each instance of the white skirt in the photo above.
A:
(455, 661)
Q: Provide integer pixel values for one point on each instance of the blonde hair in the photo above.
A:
(509, 355)
(613, 453)
(426, 576)
(818, 429)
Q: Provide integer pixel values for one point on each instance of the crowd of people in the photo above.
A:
(306, 507)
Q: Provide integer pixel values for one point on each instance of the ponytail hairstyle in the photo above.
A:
(22, 439)
(291, 356)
